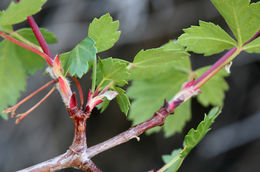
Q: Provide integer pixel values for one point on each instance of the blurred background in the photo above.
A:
(233, 144)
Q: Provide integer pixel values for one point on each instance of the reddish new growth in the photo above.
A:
(79, 155)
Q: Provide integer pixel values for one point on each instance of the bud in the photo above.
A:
(64, 90)
(57, 67)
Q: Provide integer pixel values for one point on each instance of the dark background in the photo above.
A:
(233, 145)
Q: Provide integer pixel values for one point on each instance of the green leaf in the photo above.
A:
(78, 61)
(176, 122)
(112, 69)
(123, 100)
(12, 76)
(148, 96)
(194, 136)
(173, 45)
(207, 39)
(18, 12)
(253, 47)
(104, 31)
(213, 92)
(152, 62)
(103, 106)
(242, 17)
(174, 161)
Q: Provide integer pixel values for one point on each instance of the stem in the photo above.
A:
(39, 36)
(12, 109)
(224, 60)
(21, 44)
(94, 76)
(253, 38)
(23, 115)
(80, 91)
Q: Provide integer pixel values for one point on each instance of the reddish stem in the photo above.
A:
(12, 109)
(39, 36)
(216, 65)
(23, 115)
(21, 44)
(254, 37)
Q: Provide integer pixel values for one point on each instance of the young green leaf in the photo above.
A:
(12, 76)
(174, 161)
(18, 12)
(207, 39)
(194, 136)
(104, 31)
(253, 47)
(152, 62)
(112, 70)
(78, 61)
(213, 92)
(148, 96)
(242, 17)
(122, 99)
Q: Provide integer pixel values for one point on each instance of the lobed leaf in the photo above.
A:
(174, 161)
(194, 136)
(79, 60)
(213, 92)
(242, 17)
(207, 39)
(148, 96)
(253, 47)
(104, 31)
(18, 12)
(112, 70)
(152, 62)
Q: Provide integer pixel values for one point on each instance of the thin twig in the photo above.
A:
(12, 109)
(23, 115)
(21, 44)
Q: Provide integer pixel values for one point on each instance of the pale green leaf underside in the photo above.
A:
(242, 18)
(253, 47)
(213, 91)
(152, 62)
(207, 39)
(104, 31)
(78, 61)
(18, 12)
(112, 69)
(148, 96)
(174, 161)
